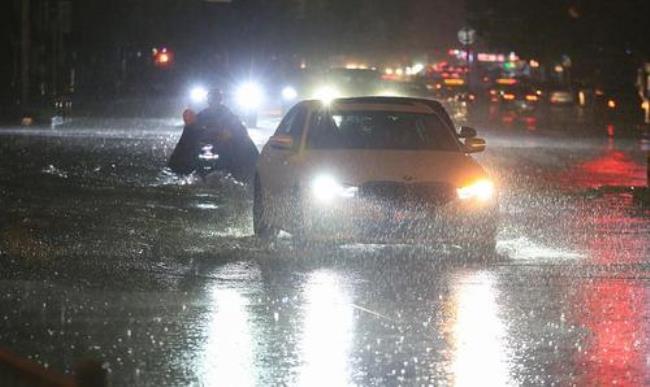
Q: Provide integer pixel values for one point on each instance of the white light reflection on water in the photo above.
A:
(524, 249)
(480, 354)
(328, 332)
(228, 358)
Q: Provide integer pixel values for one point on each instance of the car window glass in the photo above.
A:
(380, 130)
(297, 125)
(440, 112)
(286, 124)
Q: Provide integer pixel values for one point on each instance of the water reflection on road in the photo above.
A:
(228, 357)
(481, 355)
(327, 332)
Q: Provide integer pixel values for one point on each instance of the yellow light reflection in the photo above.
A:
(480, 356)
(228, 357)
(328, 332)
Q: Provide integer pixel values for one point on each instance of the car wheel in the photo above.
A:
(299, 235)
(299, 238)
(262, 228)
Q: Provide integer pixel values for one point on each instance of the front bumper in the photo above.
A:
(363, 221)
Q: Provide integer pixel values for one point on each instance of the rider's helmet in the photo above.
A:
(215, 97)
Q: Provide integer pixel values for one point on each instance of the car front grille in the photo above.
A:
(410, 195)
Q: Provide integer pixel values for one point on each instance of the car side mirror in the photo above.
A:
(474, 145)
(467, 132)
(281, 141)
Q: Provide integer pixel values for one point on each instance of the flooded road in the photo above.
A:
(105, 256)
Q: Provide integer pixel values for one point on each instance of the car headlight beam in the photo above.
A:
(289, 93)
(327, 94)
(388, 93)
(199, 94)
(249, 96)
(482, 190)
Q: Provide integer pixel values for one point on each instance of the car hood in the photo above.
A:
(359, 166)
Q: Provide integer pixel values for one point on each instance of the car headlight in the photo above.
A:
(199, 94)
(289, 93)
(327, 94)
(326, 188)
(249, 96)
(482, 190)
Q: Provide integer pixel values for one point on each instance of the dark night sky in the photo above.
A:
(599, 34)
(102, 29)
(342, 23)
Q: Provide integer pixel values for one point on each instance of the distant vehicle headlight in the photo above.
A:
(249, 96)
(611, 104)
(388, 93)
(482, 190)
(325, 189)
(289, 93)
(327, 94)
(199, 94)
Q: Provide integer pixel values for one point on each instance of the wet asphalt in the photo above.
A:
(105, 256)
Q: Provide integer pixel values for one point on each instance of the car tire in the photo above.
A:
(298, 237)
(262, 228)
(300, 240)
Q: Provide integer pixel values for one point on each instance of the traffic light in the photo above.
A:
(509, 65)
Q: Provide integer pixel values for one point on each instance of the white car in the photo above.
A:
(374, 170)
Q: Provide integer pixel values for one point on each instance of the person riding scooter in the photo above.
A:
(185, 158)
(220, 132)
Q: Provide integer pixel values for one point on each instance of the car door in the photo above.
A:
(279, 164)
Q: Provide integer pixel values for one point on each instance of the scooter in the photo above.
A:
(196, 154)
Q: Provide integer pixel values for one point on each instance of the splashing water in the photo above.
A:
(52, 170)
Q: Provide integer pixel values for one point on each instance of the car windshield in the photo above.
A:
(377, 130)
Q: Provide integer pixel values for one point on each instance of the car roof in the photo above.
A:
(422, 105)
(419, 105)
